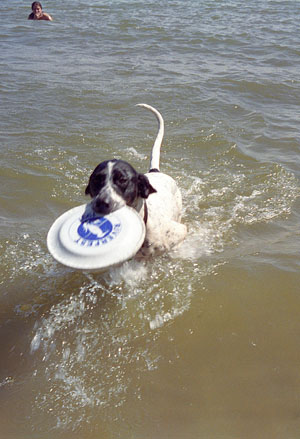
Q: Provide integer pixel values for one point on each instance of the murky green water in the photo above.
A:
(199, 343)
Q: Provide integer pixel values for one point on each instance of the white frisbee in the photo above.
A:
(82, 239)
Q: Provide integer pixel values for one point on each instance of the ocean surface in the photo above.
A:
(201, 343)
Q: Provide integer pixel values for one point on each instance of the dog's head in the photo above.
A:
(115, 183)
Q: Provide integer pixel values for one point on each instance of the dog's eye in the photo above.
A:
(119, 179)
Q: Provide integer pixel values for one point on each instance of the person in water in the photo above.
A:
(37, 13)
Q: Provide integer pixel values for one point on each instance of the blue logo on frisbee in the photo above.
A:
(93, 230)
(97, 231)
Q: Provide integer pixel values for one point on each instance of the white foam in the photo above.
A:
(138, 155)
(131, 272)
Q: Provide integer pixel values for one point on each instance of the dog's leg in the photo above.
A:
(160, 241)
(176, 233)
(155, 155)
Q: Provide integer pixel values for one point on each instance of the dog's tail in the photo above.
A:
(155, 155)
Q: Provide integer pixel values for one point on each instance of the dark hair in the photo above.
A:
(36, 4)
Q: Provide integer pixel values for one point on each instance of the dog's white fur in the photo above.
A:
(163, 229)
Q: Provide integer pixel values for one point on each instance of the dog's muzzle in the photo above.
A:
(107, 201)
(102, 207)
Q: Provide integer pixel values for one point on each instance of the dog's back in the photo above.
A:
(166, 201)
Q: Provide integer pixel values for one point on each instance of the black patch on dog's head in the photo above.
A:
(124, 180)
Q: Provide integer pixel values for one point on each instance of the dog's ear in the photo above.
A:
(144, 186)
(87, 190)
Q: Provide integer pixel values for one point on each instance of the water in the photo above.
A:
(199, 343)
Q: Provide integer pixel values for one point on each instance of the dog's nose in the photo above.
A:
(101, 206)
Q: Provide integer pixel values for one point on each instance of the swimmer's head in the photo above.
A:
(36, 6)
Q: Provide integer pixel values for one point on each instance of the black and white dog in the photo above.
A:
(115, 183)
